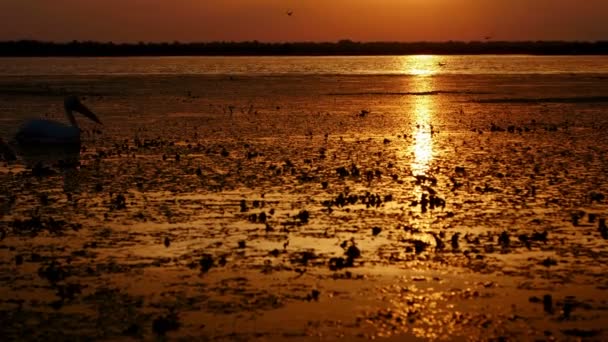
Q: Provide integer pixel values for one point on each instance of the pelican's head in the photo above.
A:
(72, 103)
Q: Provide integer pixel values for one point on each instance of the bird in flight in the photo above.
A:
(289, 13)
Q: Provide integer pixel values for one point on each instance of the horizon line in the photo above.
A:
(345, 47)
(345, 40)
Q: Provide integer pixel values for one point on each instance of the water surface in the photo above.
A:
(252, 66)
(335, 153)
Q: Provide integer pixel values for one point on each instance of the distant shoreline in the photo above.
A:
(30, 48)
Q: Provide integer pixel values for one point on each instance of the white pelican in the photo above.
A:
(39, 131)
(39, 140)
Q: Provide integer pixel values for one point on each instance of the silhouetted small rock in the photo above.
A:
(222, 262)
(56, 305)
(548, 303)
(504, 239)
(549, 262)
(44, 199)
(602, 228)
(69, 291)
(376, 231)
(268, 228)
(133, 330)
(303, 216)
(353, 252)
(439, 244)
(206, 262)
(525, 240)
(164, 324)
(53, 272)
(262, 217)
(337, 263)
(419, 246)
(35, 257)
(574, 219)
(567, 309)
(313, 295)
(596, 197)
(542, 237)
(342, 172)
(582, 333)
(119, 203)
(455, 244)
(303, 257)
(42, 171)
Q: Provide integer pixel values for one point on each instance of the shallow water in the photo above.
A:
(162, 222)
(301, 65)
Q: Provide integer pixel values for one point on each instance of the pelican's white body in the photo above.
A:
(47, 141)
(47, 132)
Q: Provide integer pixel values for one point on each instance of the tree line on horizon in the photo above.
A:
(33, 48)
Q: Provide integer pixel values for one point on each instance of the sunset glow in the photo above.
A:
(303, 170)
(311, 20)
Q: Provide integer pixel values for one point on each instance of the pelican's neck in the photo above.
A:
(70, 115)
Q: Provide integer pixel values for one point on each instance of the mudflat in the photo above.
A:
(310, 207)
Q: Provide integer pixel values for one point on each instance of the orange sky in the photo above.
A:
(313, 20)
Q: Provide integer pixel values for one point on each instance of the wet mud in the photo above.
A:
(303, 208)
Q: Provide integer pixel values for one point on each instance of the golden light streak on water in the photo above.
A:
(423, 110)
(422, 65)
(422, 140)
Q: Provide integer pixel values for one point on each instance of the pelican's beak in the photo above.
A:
(82, 109)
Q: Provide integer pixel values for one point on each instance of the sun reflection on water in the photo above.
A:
(422, 65)
(423, 140)
(423, 108)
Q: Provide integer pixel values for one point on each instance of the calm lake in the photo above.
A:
(255, 66)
